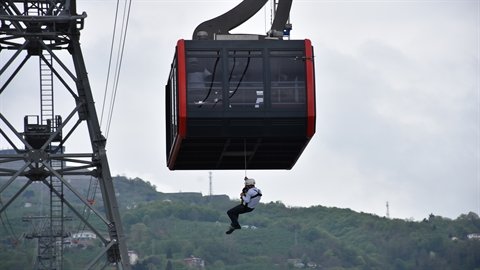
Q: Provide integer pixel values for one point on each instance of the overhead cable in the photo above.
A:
(118, 64)
(110, 61)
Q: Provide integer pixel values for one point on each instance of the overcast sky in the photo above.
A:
(398, 102)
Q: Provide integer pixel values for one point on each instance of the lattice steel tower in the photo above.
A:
(49, 30)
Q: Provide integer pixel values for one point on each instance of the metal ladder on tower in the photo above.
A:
(53, 246)
(46, 89)
(56, 205)
(57, 218)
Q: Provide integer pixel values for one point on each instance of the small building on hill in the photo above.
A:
(473, 236)
(194, 263)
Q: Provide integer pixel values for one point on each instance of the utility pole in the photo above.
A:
(50, 32)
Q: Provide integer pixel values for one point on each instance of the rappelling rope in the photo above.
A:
(245, 155)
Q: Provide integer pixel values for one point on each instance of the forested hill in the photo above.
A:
(165, 229)
(187, 230)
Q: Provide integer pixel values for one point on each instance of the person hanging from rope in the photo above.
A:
(250, 197)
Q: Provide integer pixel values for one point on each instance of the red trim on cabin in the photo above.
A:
(310, 88)
(182, 88)
(181, 103)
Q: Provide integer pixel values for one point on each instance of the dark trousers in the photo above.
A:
(235, 211)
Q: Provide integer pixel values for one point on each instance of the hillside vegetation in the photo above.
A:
(328, 238)
(165, 228)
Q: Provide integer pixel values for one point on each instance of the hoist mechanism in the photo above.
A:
(218, 28)
(240, 101)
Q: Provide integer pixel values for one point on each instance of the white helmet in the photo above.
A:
(249, 181)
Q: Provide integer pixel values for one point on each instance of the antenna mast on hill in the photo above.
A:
(44, 31)
(388, 210)
(210, 191)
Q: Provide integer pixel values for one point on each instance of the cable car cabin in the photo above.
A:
(238, 104)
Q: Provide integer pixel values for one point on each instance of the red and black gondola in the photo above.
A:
(239, 104)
